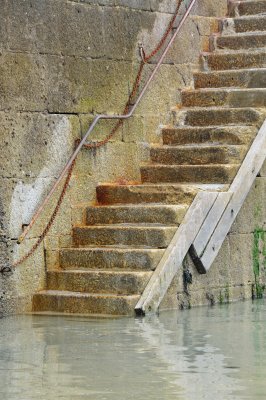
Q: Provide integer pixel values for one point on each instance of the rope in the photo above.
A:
(145, 59)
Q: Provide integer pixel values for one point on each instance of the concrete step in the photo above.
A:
(243, 24)
(83, 303)
(224, 97)
(198, 154)
(239, 41)
(143, 213)
(242, 78)
(213, 134)
(251, 7)
(148, 193)
(234, 60)
(189, 173)
(110, 258)
(217, 116)
(124, 235)
(103, 282)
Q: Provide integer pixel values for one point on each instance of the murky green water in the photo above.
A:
(208, 353)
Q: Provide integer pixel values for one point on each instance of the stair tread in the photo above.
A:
(74, 315)
(241, 34)
(204, 145)
(136, 206)
(113, 249)
(247, 17)
(231, 71)
(67, 293)
(195, 185)
(126, 225)
(223, 89)
(260, 50)
(190, 166)
(107, 272)
(205, 127)
(217, 108)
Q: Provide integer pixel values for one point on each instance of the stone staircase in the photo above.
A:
(116, 251)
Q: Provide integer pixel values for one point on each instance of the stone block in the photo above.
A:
(34, 28)
(51, 242)
(213, 296)
(134, 4)
(66, 28)
(122, 160)
(252, 214)
(133, 129)
(81, 30)
(163, 92)
(65, 241)
(28, 277)
(82, 189)
(78, 214)
(22, 82)
(87, 86)
(206, 25)
(241, 259)
(263, 170)
(52, 260)
(29, 171)
(3, 24)
(215, 8)
(121, 30)
(51, 139)
(101, 130)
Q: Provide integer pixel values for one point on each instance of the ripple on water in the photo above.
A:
(207, 353)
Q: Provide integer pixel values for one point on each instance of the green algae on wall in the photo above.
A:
(259, 262)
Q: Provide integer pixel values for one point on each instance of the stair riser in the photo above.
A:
(197, 174)
(197, 156)
(124, 284)
(220, 61)
(229, 99)
(235, 135)
(247, 8)
(211, 117)
(238, 79)
(157, 238)
(160, 215)
(237, 42)
(111, 259)
(124, 195)
(239, 25)
(88, 305)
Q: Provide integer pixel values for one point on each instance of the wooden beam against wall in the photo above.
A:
(208, 242)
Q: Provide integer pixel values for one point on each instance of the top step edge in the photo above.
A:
(113, 249)
(230, 71)
(139, 206)
(212, 127)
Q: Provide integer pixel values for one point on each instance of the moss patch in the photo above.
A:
(259, 261)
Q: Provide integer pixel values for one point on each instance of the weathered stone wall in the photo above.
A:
(60, 63)
(239, 271)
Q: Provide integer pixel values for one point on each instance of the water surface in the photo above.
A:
(208, 353)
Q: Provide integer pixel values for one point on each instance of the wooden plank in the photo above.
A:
(175, 253)
(240, 187)
(198, 246)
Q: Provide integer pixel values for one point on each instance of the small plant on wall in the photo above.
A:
(259, 262)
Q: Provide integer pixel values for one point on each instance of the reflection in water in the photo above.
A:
(209, 353)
